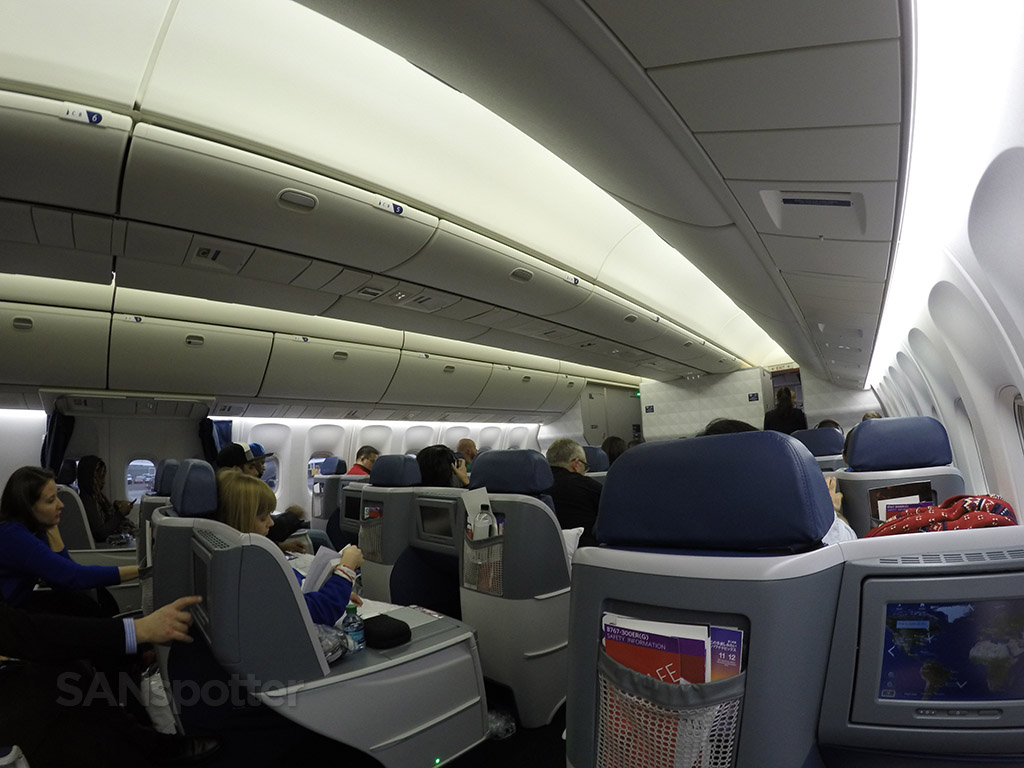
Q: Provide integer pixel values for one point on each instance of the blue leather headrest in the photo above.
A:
(898, 443)
(597, 459)
(520, 471)
(332, 465)
(743, 492)
(395, 471)
(163, 483)
(194, 493)
(823, 441)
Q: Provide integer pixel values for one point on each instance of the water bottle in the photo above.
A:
(354, 629)
(482, 523)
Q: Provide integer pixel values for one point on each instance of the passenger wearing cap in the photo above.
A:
(239, 455)
(259, 457)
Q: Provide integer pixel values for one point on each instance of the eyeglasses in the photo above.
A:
(586, 467)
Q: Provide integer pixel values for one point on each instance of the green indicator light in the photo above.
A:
(638, 393)
(437, 761)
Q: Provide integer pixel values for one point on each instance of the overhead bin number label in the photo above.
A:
(80, 114)
(389, 206)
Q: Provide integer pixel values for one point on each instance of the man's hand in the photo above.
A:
(168, 623)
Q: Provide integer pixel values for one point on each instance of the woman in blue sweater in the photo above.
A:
(31, 549)
(245, 503)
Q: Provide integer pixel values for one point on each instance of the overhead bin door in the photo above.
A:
(426, 379)
(60, 153)
(516, 389)
(55, 347)
(464, 262)
(567, 390)
(157, 355)
(319, 369)
(199, 185)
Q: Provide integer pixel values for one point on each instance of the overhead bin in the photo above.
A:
(511, 388)
(427, 379)
(465, 262)
(59, 153)
(605, 314)
(304, 368)
(53, 346)
(183, 181)
(157, 355)
(564, 393)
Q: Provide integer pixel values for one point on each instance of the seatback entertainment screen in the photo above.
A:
(955, 651)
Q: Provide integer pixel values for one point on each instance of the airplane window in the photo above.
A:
(313, 466)
(139, 478)
(270, 473)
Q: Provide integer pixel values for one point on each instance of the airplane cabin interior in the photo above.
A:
(317, 225)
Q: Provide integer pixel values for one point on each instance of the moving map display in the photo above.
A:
(958, 651)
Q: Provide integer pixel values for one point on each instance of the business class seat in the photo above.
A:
(422, 698)
(720, 531)
(386, 520)
(515, 584)
(907, 458)
(597, 459)
(166, 469)
(74, 523)
(825, 444)
(329, 467)
(77, 537)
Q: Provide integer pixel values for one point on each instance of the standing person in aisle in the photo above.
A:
(785, 416)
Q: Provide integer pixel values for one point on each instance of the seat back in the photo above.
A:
(74, 524)
(166, 470)
(343, 523)
(386, 520)
(892, 462)
(252, 605)
(515, 583)
(597, 459)
(329, 469)
(427, 572)
(920, 671)
(717, 540)
(825, 444)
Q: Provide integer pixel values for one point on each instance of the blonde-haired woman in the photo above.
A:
(245, 503)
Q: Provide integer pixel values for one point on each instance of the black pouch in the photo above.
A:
(383, 631)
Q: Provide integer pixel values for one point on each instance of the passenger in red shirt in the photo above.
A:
(365, 457)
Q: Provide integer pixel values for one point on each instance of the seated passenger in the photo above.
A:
(293, 520)
(35, 698)
(441, 468)
(613, 447)
(245, 503)
(31, 549)
(259, 458)
(106, 517)
(365, 457)
(832, 423)
(467, 448)
(575, 496)
(725, 427)
(240, 456)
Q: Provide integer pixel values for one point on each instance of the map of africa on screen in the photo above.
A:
(967, 651)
